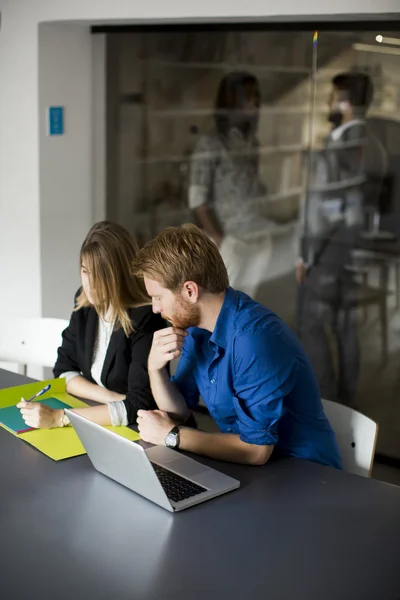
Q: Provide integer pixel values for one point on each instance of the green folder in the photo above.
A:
(58, 443)
(11, 416)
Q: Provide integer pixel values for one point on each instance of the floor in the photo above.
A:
(386, 473)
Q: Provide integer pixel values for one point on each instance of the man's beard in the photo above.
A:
(185, 315)
(336, 118)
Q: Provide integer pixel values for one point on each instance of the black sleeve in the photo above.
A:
(139, 394)
(67, 354)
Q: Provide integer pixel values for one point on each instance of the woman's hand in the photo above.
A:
(301, 271)
(40, 416)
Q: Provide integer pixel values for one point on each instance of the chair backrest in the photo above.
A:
(31, 341)
(356, 436)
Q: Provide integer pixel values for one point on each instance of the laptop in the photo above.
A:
(160, 474)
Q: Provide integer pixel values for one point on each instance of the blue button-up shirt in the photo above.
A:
(256, 381)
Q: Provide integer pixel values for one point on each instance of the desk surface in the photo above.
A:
(294, 529)
(389, 247)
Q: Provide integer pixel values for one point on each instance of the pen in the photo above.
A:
(43, 391)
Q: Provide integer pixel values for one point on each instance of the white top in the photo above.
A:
(224, 173)
(105, 329)
(104, 333)
(101, 342)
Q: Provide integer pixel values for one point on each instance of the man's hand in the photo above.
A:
(167, 345)
(154, 425)
(39, 415)
(301, 271)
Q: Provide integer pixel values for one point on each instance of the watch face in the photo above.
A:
(171, 440)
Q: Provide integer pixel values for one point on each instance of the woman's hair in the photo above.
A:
(107, 253)
(234, 89)
(180, 254)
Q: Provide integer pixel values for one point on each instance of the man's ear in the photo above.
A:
(191, 291)
(344, 106)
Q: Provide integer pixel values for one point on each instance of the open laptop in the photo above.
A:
(160, 474)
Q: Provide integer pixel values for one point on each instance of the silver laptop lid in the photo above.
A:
(120, 459)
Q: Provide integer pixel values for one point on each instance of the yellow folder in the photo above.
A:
(61, 442)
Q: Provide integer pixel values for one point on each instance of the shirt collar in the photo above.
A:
(223, 326)
(337, 133)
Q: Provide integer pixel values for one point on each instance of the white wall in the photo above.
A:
(66, 206)
(22, 210)
(19, 173)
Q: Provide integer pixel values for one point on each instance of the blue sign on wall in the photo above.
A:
(56, 120)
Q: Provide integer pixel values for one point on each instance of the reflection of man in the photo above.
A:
(225, 190)
(335, 214)
(245, 362)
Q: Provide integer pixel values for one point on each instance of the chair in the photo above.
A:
(362, 295)
(356, 436)
(30, 341)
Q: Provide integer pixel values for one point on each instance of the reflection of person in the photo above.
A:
(335, 214)
(243, 359)
(105, 347)
(225, 189)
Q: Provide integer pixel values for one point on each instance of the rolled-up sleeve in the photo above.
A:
(265, 370)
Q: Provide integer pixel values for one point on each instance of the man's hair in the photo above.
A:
(180, 254)
(358, 89)
(233, 90)
(107, 253)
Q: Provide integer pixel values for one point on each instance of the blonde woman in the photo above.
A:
(104, 351)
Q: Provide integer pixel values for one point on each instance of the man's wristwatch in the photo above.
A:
(172, 438)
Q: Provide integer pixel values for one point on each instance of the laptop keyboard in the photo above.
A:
(176, 487)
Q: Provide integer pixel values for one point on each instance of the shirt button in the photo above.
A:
(212, 380)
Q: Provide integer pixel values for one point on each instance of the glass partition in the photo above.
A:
(284, 146)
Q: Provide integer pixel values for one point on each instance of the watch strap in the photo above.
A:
(176, 431)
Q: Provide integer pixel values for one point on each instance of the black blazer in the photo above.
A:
(125, 365)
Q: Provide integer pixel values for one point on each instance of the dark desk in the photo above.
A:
(295, 530)
(391, 246)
